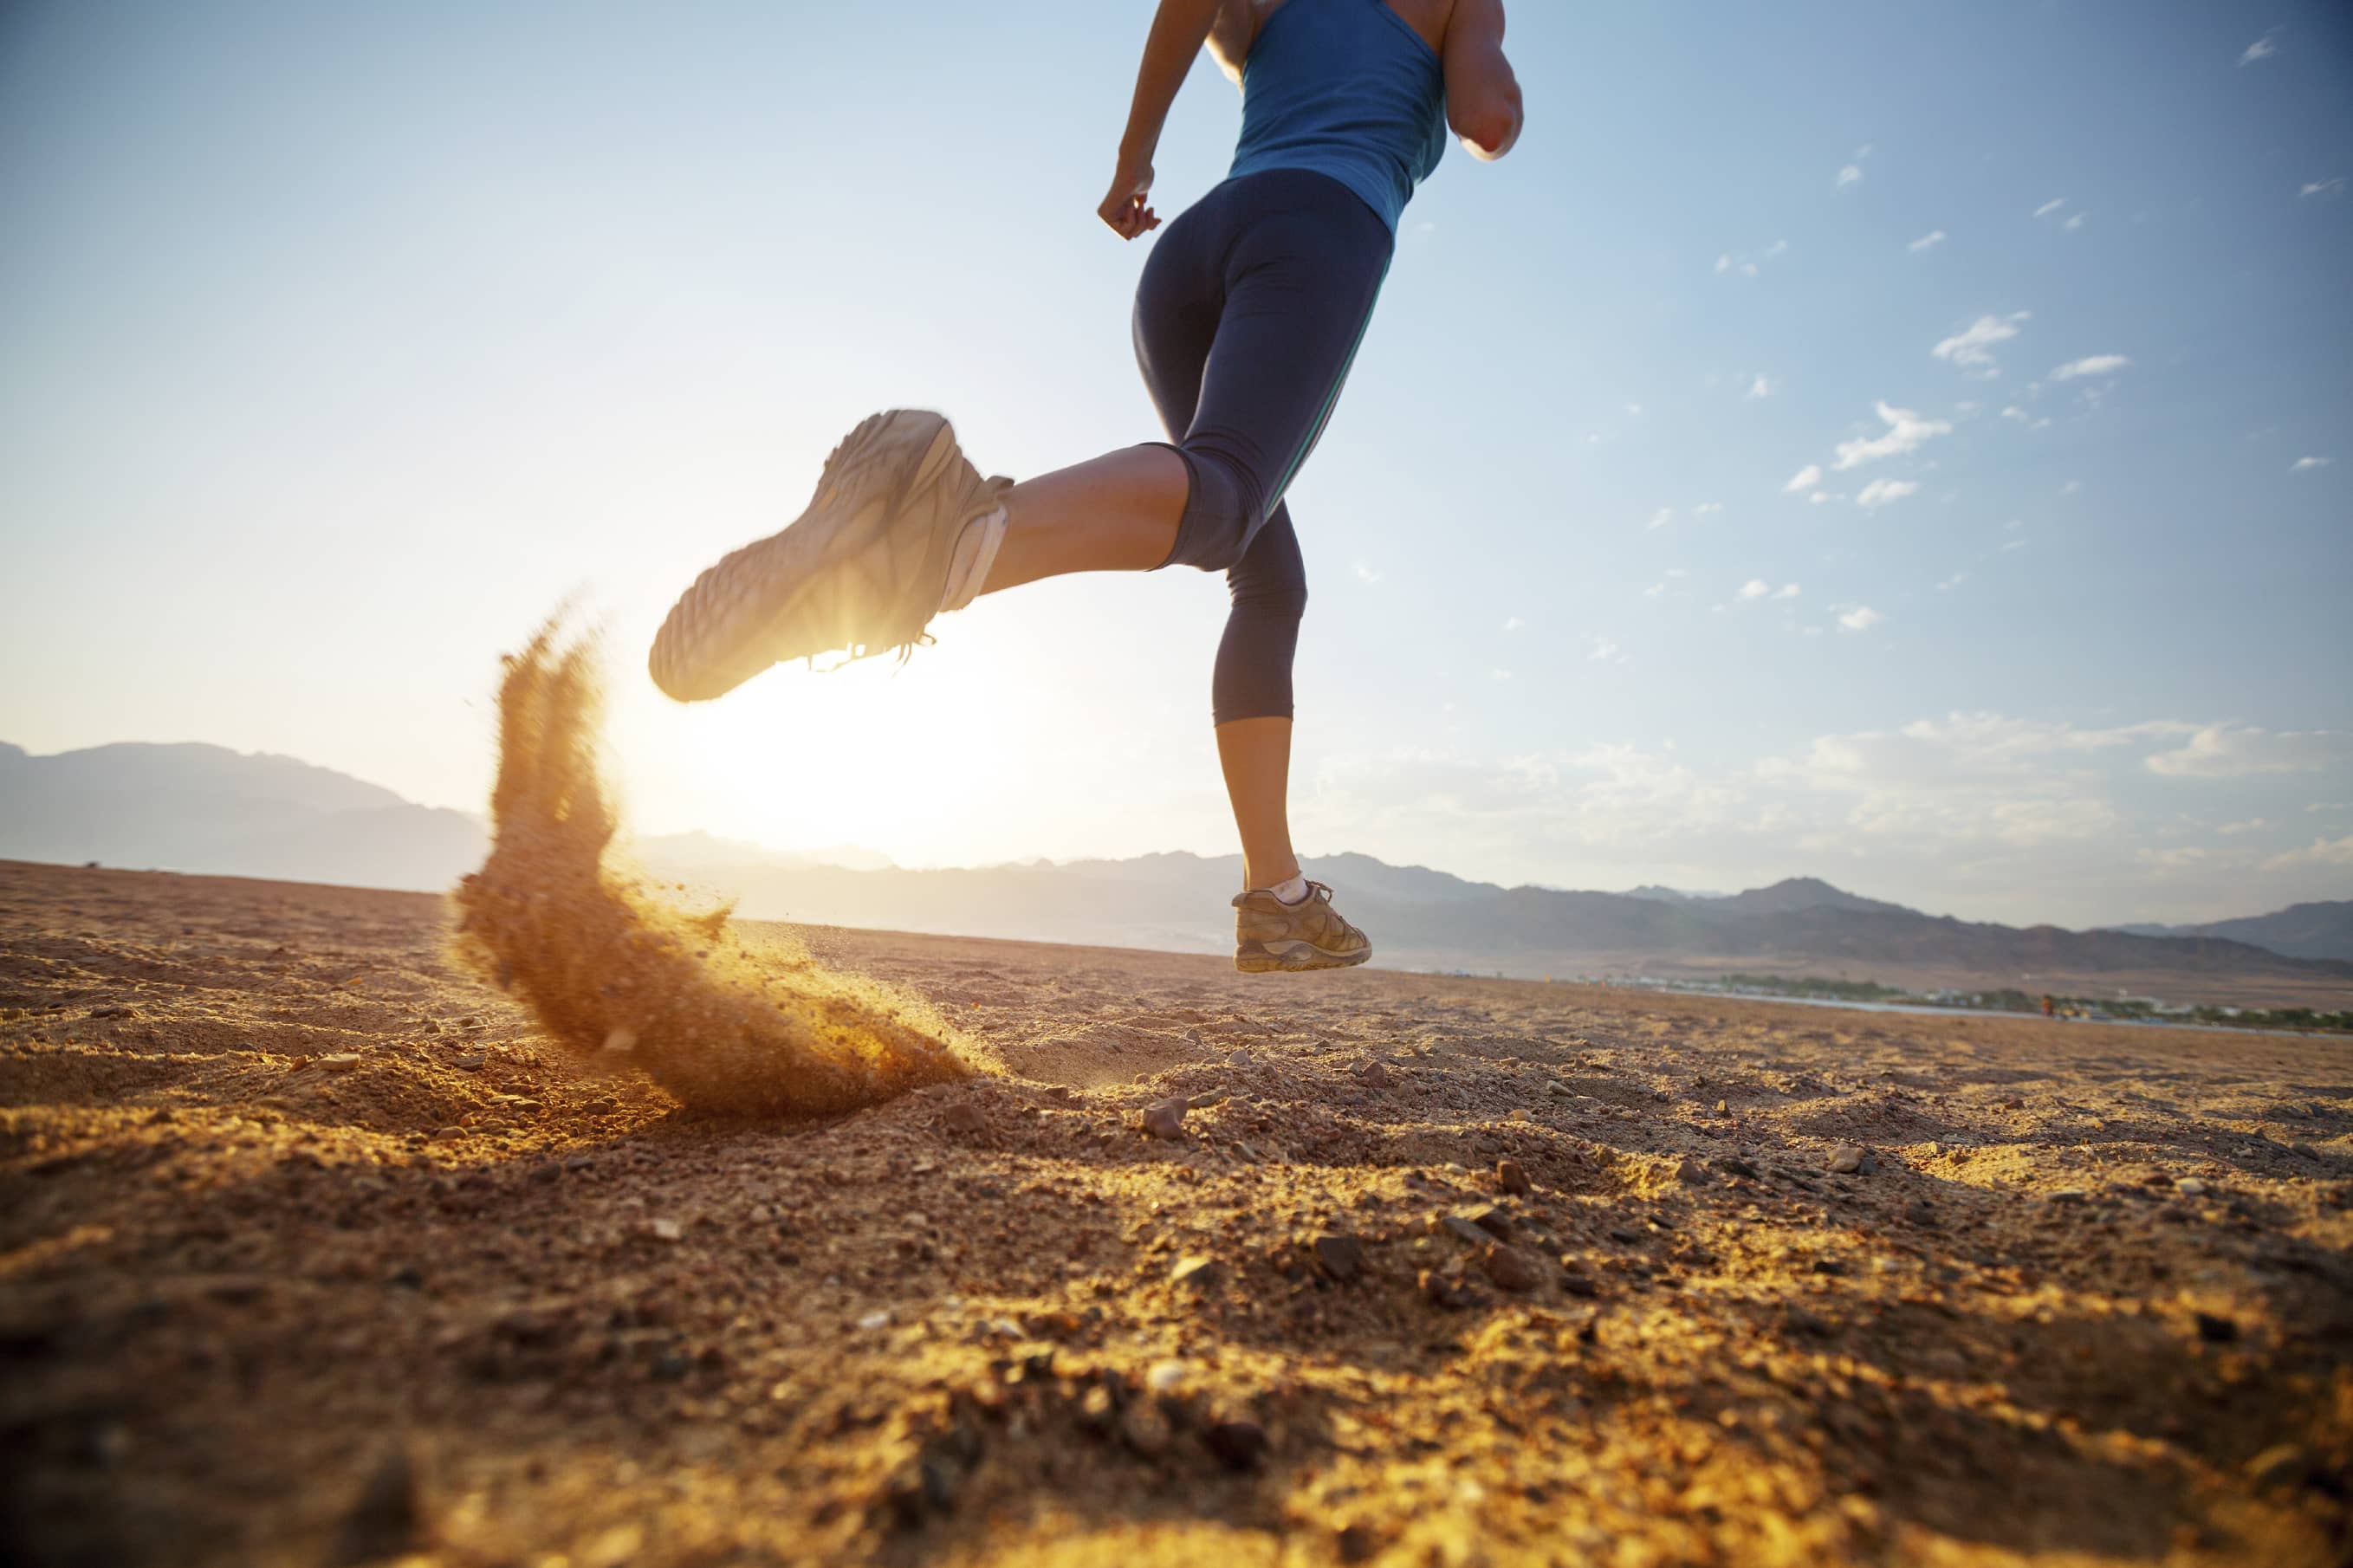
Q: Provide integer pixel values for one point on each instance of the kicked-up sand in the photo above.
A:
(612, 970)
(315, 1249)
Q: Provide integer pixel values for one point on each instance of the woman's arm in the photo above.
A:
(1482, 95)
(1178, 31)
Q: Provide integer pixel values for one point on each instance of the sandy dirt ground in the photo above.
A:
(313, 1251)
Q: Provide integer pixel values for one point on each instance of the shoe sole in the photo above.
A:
(1292, 957)
(724, 629)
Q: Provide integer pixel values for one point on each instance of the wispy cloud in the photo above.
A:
(1928, 241)
(1881, 492)
(2263, 48)
(1499, 674)
(1755, 588)
(1762, 386)
(2335, 187)
(1907, 431)
(1364, 573)
(2074, 221)
(1788, 591)
(1604, 650)
(1737, 261)
(2319, 852)
(1972, 347)
(1806, 478)
(1953, 581)
(2228, 751)
(2231, 829)
(2091, 364)
(1513, 623)
(1850, 175)
(2052, 205)
(1708, 509)
(2304, 465)
(1862, 618)
(1661, 518)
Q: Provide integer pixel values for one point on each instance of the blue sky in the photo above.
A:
(338, 345)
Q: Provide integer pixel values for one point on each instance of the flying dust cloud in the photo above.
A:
(614, 971)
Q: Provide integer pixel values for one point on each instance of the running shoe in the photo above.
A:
(1270, 934)
(860, 572)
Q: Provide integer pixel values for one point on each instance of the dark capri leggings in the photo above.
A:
(1248, 313)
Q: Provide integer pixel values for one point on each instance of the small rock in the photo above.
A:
(1165, 1120)
(1195, 1270)
(2069, 1195)
(1734, 1165)
(1512, 1179)
(1462, 1229)
(1237, 1445)
(1691, 1173)
(1493, 1221)
(963, 1120)
(1723, 1108)
(467, 1064)
(2013, 1103)
(1509, 1267)
(1163, 1376)
(1624, 1237)
(1240, 1058)
(1580, 1285)
(664, 1228)
(2277, 1465)
(2216, 1331)
(1341, 1256)
(1846, 1160)
(1438, 1290)
(342, 1062)
(1206, 1098)
(879, 1318)
(446, 1134)
(2191, 1187)
(1145, 1429)
(1374, 1074)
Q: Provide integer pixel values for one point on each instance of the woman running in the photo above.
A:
(1250, 309)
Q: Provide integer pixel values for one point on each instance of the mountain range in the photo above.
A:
(194, 807)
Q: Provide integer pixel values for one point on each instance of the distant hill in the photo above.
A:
(2300, 931)
(1422, 918)
(206, 808)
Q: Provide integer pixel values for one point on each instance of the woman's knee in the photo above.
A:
(1270, 595)
(1224, 507)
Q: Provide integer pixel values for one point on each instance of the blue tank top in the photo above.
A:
(1346, 88)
